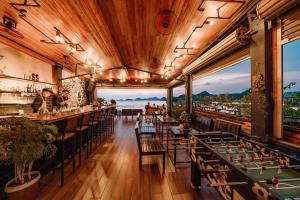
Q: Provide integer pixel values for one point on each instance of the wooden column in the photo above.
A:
(169, 99)
(57, 75)
(261, 69)
(277, 81)
(188, 94)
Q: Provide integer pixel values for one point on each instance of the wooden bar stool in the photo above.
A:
(82, 131)
(64, 140)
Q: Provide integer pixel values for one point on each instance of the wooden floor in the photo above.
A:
(112, 173)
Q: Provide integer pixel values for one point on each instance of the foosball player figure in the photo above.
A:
(261, 157)
(231, 159)
(275, 182)
(241, 158)
(251, 158)
(241, 145)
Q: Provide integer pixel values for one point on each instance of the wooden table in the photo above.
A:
(165, 121)
(176, 133)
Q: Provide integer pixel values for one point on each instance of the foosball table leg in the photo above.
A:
(195, 177)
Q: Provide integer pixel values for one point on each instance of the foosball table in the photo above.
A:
(243, 169)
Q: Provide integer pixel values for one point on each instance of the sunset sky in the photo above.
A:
(230, 80)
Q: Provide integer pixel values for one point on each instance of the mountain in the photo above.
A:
(200, 95)
(145, 99)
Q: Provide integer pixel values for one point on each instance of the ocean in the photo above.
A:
(137, 104)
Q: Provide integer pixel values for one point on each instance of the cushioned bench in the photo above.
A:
(131, 112)
(205, 124)
(202, 123)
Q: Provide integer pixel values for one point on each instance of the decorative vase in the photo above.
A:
(26, 191)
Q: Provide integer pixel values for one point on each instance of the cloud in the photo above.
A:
(207, 83)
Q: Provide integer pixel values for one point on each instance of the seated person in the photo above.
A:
(39, 103)
(147, 107)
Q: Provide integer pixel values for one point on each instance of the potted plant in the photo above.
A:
(184, 119)
(22, 142)
(100, 101)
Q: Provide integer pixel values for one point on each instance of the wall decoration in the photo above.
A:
(76, 87)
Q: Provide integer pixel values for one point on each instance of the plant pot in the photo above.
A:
(186, 126)
(26, 191)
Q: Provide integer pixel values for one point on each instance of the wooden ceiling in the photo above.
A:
(120, 32)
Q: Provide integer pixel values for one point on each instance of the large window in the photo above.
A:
(133, 98)
(291, 84)
(225, 91)
(178, 100)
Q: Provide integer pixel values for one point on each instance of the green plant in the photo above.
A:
(258, 87)
(184, 117)
(23, 141)
(100, 101)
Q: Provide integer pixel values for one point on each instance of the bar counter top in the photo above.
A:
(51, 118)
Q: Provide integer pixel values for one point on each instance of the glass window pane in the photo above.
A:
(291, 85)
(133, 98)
(178, 100)
(226, 91)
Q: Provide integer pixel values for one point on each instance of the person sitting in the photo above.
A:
(147, 107)
(63, 100)
(39, 103)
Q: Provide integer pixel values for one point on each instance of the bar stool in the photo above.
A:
(95, 127)
(63, 139)
(82, 131)
(97, 123)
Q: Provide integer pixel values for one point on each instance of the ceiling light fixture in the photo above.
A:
(59, 38)
(69, 48)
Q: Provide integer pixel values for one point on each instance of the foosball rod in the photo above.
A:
(274, 167)
(235, 141)
(283, 180)
(226, 184)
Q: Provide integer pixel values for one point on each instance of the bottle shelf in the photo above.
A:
(22, 79)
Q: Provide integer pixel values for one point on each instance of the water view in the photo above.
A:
(137, 104)
(133, 98)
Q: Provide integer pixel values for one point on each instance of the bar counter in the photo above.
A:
(51, 118)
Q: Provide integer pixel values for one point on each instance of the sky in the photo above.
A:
(233, 79)
(230, 80)
(109, 94)
(291, 64)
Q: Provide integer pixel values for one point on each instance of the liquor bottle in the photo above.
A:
(33, 76)
(36, 77)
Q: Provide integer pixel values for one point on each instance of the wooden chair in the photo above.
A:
(149, 147)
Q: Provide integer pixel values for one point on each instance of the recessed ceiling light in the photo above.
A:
(194, 46)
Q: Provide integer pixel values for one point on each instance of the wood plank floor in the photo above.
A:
(112, 173)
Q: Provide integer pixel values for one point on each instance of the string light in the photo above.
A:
(59, 38)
